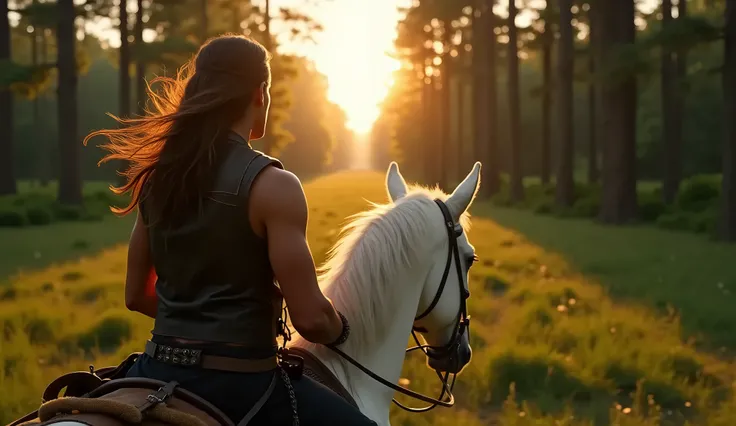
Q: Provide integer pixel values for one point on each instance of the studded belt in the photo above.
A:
(188, 357)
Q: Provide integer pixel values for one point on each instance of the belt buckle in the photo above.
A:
(178, 356)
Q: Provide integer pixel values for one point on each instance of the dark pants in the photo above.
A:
(236, 393)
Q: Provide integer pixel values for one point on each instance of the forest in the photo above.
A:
(621, 111)
(65, 65)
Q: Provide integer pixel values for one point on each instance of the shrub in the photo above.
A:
(501, 199)
(40, 330)
(698, 193)
(651, 206)
(705, 221)
(543, 207)
(12, 218)
(586, 207)
(39, 216)
(88, 216)
(107, 334)
(702, 222)
(676, 221)
(68, 213)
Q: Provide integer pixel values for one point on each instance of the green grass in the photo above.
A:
(28, 186)
(33, 247)
(552, 345)
(675, 273)
(25, 249)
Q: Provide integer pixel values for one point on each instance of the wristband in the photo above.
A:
(343, 337)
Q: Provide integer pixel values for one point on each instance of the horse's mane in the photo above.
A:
(373, 248)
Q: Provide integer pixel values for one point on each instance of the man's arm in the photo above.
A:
(278, 202)
(140, 276)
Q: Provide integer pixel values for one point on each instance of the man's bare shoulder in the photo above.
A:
(276, 190)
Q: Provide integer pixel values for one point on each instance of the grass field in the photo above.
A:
(599, 336)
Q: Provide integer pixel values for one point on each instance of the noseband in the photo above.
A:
(454, 231)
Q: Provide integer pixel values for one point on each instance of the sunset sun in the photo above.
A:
(352, 52)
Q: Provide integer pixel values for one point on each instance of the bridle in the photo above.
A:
(454, 231)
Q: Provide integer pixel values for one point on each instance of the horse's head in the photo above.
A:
(441, 316)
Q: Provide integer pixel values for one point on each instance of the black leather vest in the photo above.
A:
(215, 281)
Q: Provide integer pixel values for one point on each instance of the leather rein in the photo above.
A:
(454, 231)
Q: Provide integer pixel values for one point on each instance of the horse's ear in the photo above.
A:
(463, 196)
(395, 183)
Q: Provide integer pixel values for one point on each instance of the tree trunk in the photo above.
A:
(618, 200)
(593, 96)
(565, 191)
(70, 182)
(446, 109)
(204, 27)
(140, 65)
(429, 153)
(7, 176)
(124, 72)
(268, 142)
(670, 150)
(486, 98)
(460, 141)
(429, 134)
(44, 154)
(728, 196)
(678, 107)
(124, 76)
(517, 177)
(38, 134)
(479, 27)
(547, 43)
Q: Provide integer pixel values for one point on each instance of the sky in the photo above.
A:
(351, 50)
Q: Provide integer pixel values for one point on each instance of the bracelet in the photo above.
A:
(345, 331)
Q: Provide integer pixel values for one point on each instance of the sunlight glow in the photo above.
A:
(352, 53)
(352, 50)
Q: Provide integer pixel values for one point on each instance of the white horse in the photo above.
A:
(384, 272)
(395, 263)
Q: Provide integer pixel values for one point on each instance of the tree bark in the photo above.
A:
(44, 154)
(728, 194)
(446, 109)
(429, 153)
(517, 177)
(124, 71)
(36, 103)
(547, 87)
(593, 96)
(618, 200)
(670, 148)
(70, 181)
(268, 143)
(460, 141)
(565, 188)
(7, 175)
(124, 75)
(140, 65)
(490, 173)
(678, 107)
(204, 27)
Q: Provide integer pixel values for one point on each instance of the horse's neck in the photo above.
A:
(385, 358)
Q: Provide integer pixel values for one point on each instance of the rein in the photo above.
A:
(463, 323)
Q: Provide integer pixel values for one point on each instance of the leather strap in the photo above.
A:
(213, 362)
(260, 403)
(161, 395)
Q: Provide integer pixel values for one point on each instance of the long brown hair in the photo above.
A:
(170, 149)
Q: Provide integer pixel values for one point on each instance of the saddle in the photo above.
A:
(105, 397)
(317, 371)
